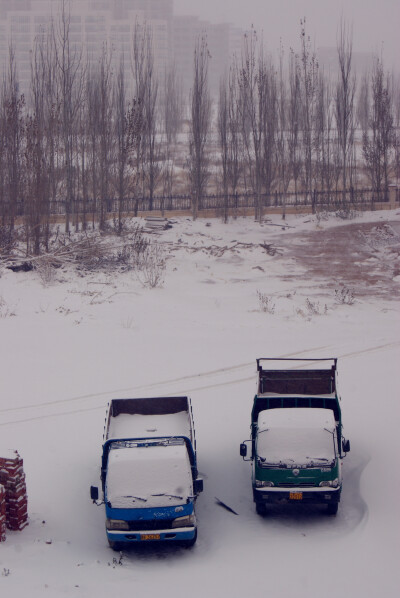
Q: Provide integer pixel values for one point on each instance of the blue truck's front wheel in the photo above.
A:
(117, 546)
(191, 542)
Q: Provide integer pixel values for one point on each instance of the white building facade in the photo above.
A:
(93, 23)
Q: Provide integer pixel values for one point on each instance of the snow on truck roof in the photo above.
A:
(297, 417)
(296, 437)
(150, 476)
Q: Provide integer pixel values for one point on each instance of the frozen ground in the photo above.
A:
(67, 348)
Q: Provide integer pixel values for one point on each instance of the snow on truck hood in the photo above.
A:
(296, 437)
(148, 477)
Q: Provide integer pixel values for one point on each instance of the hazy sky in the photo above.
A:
(376, 23)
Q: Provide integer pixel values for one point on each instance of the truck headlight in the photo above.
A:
(330, 483)
(263, 484)
(117, 524)
(186, 521)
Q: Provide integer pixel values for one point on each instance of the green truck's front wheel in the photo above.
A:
(332, 508)
(261, 509)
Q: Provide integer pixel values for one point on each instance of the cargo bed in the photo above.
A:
(149, 418)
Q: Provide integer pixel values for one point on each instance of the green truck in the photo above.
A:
(296, 444)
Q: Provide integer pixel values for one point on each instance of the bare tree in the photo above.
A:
(235, 145)
(396, 112)
(46, 50)
(173, 114)
(37, 188)
(199, 125)
(146, 92)
(172, 103)
(378, 139)
(268, 100)
(320, 135)
(344, 102)
(258, 102)
(229, 135)
(70, 81)
(13, 139)
(92, 132)
(294, 121)
(3, 194)
(83, 162)
(104, 121)
(283, 138)
(309, 86)
(38, 151)
(223, 137)
(127, 129)
(363, 100)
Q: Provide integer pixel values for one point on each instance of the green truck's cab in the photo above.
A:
(296, 445)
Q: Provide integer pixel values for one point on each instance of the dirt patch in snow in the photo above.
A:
(361, 256)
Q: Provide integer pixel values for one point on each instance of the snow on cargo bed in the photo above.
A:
(151, 476)
(126, 425)
(296, 437)
(330, 395)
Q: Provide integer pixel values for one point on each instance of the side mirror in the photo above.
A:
(94, 493)
(198, 486)
(243, 450)
(346, 446)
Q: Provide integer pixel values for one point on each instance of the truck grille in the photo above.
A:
(148, 525)
(296, 484)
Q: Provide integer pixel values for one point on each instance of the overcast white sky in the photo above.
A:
(376, 23)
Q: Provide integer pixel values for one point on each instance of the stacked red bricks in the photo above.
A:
(12, 478)
(2, 513)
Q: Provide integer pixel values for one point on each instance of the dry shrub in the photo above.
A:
(46, 271)
(265, 303)
(133, 251)
(344, 296)
(153, 265)
(5, 310)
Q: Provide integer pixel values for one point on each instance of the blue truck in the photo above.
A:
(297, 443)
(149, 477)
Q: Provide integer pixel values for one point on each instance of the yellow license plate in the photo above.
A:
(150, 536)
(296, 496)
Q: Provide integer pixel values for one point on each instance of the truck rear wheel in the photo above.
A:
(332, 508)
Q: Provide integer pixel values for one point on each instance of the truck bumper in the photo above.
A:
(167, 535)
(322, 496)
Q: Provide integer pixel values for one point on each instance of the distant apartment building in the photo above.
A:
(224, 41)
(328, 60)
(96, 22)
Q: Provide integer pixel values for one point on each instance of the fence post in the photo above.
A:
(393, 191)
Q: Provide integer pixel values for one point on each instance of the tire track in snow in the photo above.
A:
(185, 390)
(144, 387)
(354, 507)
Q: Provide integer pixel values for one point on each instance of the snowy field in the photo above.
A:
(69, 347)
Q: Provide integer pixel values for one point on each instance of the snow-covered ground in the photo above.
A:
(68, 348)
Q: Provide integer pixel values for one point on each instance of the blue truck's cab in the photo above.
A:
(149, 471)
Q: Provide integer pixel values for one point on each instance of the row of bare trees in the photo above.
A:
(91, 132)
(292, 128)
(86, 132)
